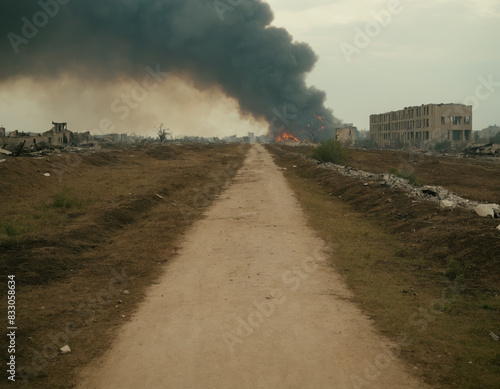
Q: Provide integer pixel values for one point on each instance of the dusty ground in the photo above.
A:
(126, 208)
(112, 222)
(473, 178)
(250, 301)
(413, 267)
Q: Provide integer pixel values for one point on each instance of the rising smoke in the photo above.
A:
(228, 43)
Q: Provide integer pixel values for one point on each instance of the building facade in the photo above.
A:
(346, 135)
(423, 125)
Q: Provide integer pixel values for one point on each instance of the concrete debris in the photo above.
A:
(126, 292)
(485, 210)
(494, 336)
(489, 149)
(5, 152)
(437, 194)
(2, 160)
(47, 174)
(447, 204)
(65, 350)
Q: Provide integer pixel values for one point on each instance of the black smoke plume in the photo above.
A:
(229, 43)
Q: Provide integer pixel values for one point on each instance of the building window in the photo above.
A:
(443, 120)
(457, 120)
(467, 120)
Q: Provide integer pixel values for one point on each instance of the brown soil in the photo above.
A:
(126, 210)
(249, 302)
(473, 178)
(444, 235)
(436, 247)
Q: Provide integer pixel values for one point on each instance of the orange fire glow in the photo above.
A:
(284, 136)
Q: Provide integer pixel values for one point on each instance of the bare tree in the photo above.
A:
(162, 132)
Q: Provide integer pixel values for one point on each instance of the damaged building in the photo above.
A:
(422, 125)
(346, 135)
(59, 135)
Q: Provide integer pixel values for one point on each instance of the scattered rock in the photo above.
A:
(120, 301)
(284, 168)
(366, 184)
(47, 174)
(294, 165)
(447, 204)
(485, 210)
(65, 350)
(159, 196)
(494, 336)
(2, 160)
(126, 292)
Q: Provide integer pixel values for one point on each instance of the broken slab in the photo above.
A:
(447, 204)
(5, 152)
(65, 350)
(485, 210)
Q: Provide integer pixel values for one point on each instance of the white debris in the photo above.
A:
(65, 350)
(2, 160)
(47, 174)
(5, 152)
(494, 336)
(447, 204)
(485, 210)
(126, 292)
(159, 196)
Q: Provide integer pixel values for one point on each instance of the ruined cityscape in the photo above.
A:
(251, 194)
(429, 127)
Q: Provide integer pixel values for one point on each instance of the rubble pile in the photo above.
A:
(491, 150)
(438, 194)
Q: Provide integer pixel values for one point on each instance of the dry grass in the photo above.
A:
(399, 288)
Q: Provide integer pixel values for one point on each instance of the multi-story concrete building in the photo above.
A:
(422, 125)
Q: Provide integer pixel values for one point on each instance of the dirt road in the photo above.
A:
(250, 302)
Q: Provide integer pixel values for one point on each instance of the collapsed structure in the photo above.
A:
(423, 125)
(346, 135)
(59, 135)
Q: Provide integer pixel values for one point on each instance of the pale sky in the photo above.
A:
(422, 51)
(432, 51)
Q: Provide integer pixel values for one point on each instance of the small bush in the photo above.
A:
(65, 199)
(331, 151)
(11, 229)
(407, 175)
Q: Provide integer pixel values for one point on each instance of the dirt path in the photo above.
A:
(250, 302)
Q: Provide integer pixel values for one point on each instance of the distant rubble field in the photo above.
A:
(476, 179)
